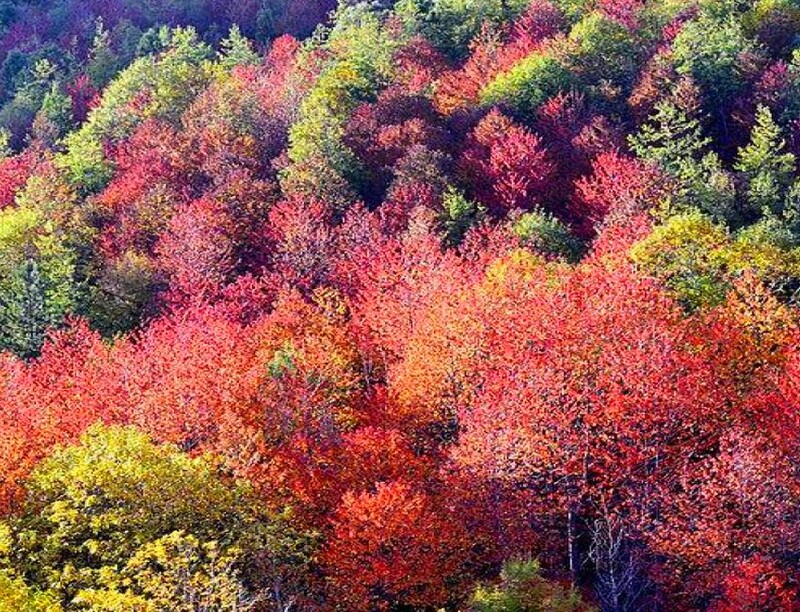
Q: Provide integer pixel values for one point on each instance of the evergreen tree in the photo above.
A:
(25, 319)
(237, 50)
(103, 61)
(674, 138)
(765, 166)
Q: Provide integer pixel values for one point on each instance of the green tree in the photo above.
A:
(361, 50)
(528, 84)
(545, 233)
(104, 63)
(118, 518)
(37, 272)
(674, 139)
(699, 259)
(602, 50)
(452, 24)
(55, 117)
(27, 329)
(458, 215)
(237, 50)
(766, 167)
(522, 589)
(710, 48)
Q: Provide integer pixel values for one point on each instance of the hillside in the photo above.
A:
(471, 305)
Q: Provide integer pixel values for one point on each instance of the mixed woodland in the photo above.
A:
(468, 305)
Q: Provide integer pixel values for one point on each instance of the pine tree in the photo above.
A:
(237, 50)
(765, 166)
(24, 317)
(674, 138)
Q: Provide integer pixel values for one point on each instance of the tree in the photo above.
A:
(237, 50)
(393, 547)
(674, 139)
(16, 596)
(528, 84)
(545, 234)
(561, 409)
(601, 49)
(116, 500)
(37, 288)
(452, 24)
(196, 252)
(767, 169)
(507, 165)
(698, 259)
(712, 50)
(523, 589)
(619, 187)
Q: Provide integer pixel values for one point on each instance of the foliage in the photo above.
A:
(528, 84)
(37, 287)
(545, 233)
(15, 596)
(675, 140)
(524, 590)
(460, 283)
(713, 49)
(766, 168)
(115, 501)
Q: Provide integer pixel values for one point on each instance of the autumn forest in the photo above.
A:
(414, 305)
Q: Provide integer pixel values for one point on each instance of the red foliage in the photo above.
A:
(757, 583)
(14, 173)
(506, 165)
(51, 401)
(492, 54)
(618, 188)
(84, 97)
(393, 546)
(432, 410)
(196, 252)
(625, 12)
(302, 240)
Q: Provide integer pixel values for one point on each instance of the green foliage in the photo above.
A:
(166, 84)
(55, 117)
(769, 249)
(710, 48)
(602, 50)
(36, 280)
(452, 24)
(674, 139)
(458, 215)
(528, 84)
(685, 253)
(361, 51)
(118, 518)
(766, 167)
(545, 233)
(120, 294)
(31, 88)
(697, 259)
(103, 61)
(237, 50)
(522, 589)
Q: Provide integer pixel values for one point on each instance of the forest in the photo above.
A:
(413, 305)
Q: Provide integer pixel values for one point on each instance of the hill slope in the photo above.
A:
(401, 305)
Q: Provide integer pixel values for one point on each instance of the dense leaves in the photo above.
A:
(416, 305)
